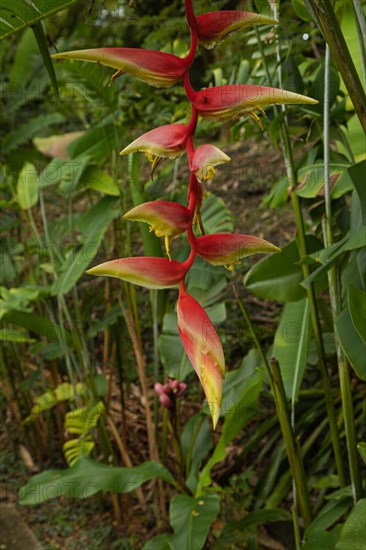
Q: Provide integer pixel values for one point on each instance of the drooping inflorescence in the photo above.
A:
(169, 219)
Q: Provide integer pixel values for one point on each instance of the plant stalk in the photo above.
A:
(292, 449)
(314, 312)
(328, 23)
(335, 301)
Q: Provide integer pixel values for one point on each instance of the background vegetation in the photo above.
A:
(80, 356)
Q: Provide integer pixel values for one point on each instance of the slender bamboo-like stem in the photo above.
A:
(328, 23)
(253, 334)
(313, 306)
(155, 307)
(125, 456)
(292, 449)
(131, 322)
(334, 292)
(361, 31)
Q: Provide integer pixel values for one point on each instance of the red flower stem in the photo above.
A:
(192, 240)
(190, 149)
(192, 124)
(192, 49)
(182, 287)
(189, 261)
(191, 18)
(188, 88)
(193, 193)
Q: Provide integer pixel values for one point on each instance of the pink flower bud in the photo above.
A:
(165, 401)
(159, 389)
(181, 389)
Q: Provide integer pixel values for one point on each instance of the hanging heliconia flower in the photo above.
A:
(158, 69)
(203, 348)
(228, 249)
(168, 219)
(214, 27)
(204, 160)
(223, 103)
(144, 271)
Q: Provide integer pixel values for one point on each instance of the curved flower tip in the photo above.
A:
(214, 27)
(203, 348)
(150, 272)
(205, 158)
(229, 248)
(167, 141)
(223, 103)
(167, 219)
(158, 69)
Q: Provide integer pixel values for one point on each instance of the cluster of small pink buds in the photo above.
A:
(169, 219)
(169, 392)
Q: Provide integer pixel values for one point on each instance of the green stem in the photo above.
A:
(328, 23)
(335, 301)
(314, 313)
(315, 322)
(292, 449)
(361, 32)
(253, 334)
(154, 300)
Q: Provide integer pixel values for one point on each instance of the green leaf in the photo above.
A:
(357, 308)
(328, 256)
(279, 194)
(18, 299)
(191, 519)
(98, 142)
(87, 477)
(46, 401)
(353, 534)
(301, 10)
(74, 171)
(18, 15)
(196, 441)
(235, 531)
(352, 344)
(349, 242)
(99, 180)
(43, 48)
(277, 277)
(291, 345)
(362, 450)
(27, 186)
(27, 131)
(357, 173)
(319, 535)
(160, 542)
(80, 422)
(93, 224)
(216, 216)
(316, 90)
(236, 380)
(236, 417)
(173, 356)
(152, 245)
(9, 334)
(64, 171)
(36, 325)
(311, 178)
